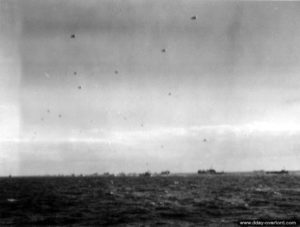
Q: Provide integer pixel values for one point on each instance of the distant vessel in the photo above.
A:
(285, 172)
(209, 171)
(146, 174)
(165, 173)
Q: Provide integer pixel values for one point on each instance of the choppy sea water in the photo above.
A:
(150, 201)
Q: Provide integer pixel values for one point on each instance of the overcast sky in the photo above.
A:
(94, 86)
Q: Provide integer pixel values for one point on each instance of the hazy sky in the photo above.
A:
(142, 86)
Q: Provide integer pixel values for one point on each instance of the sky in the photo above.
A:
(130, 86)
